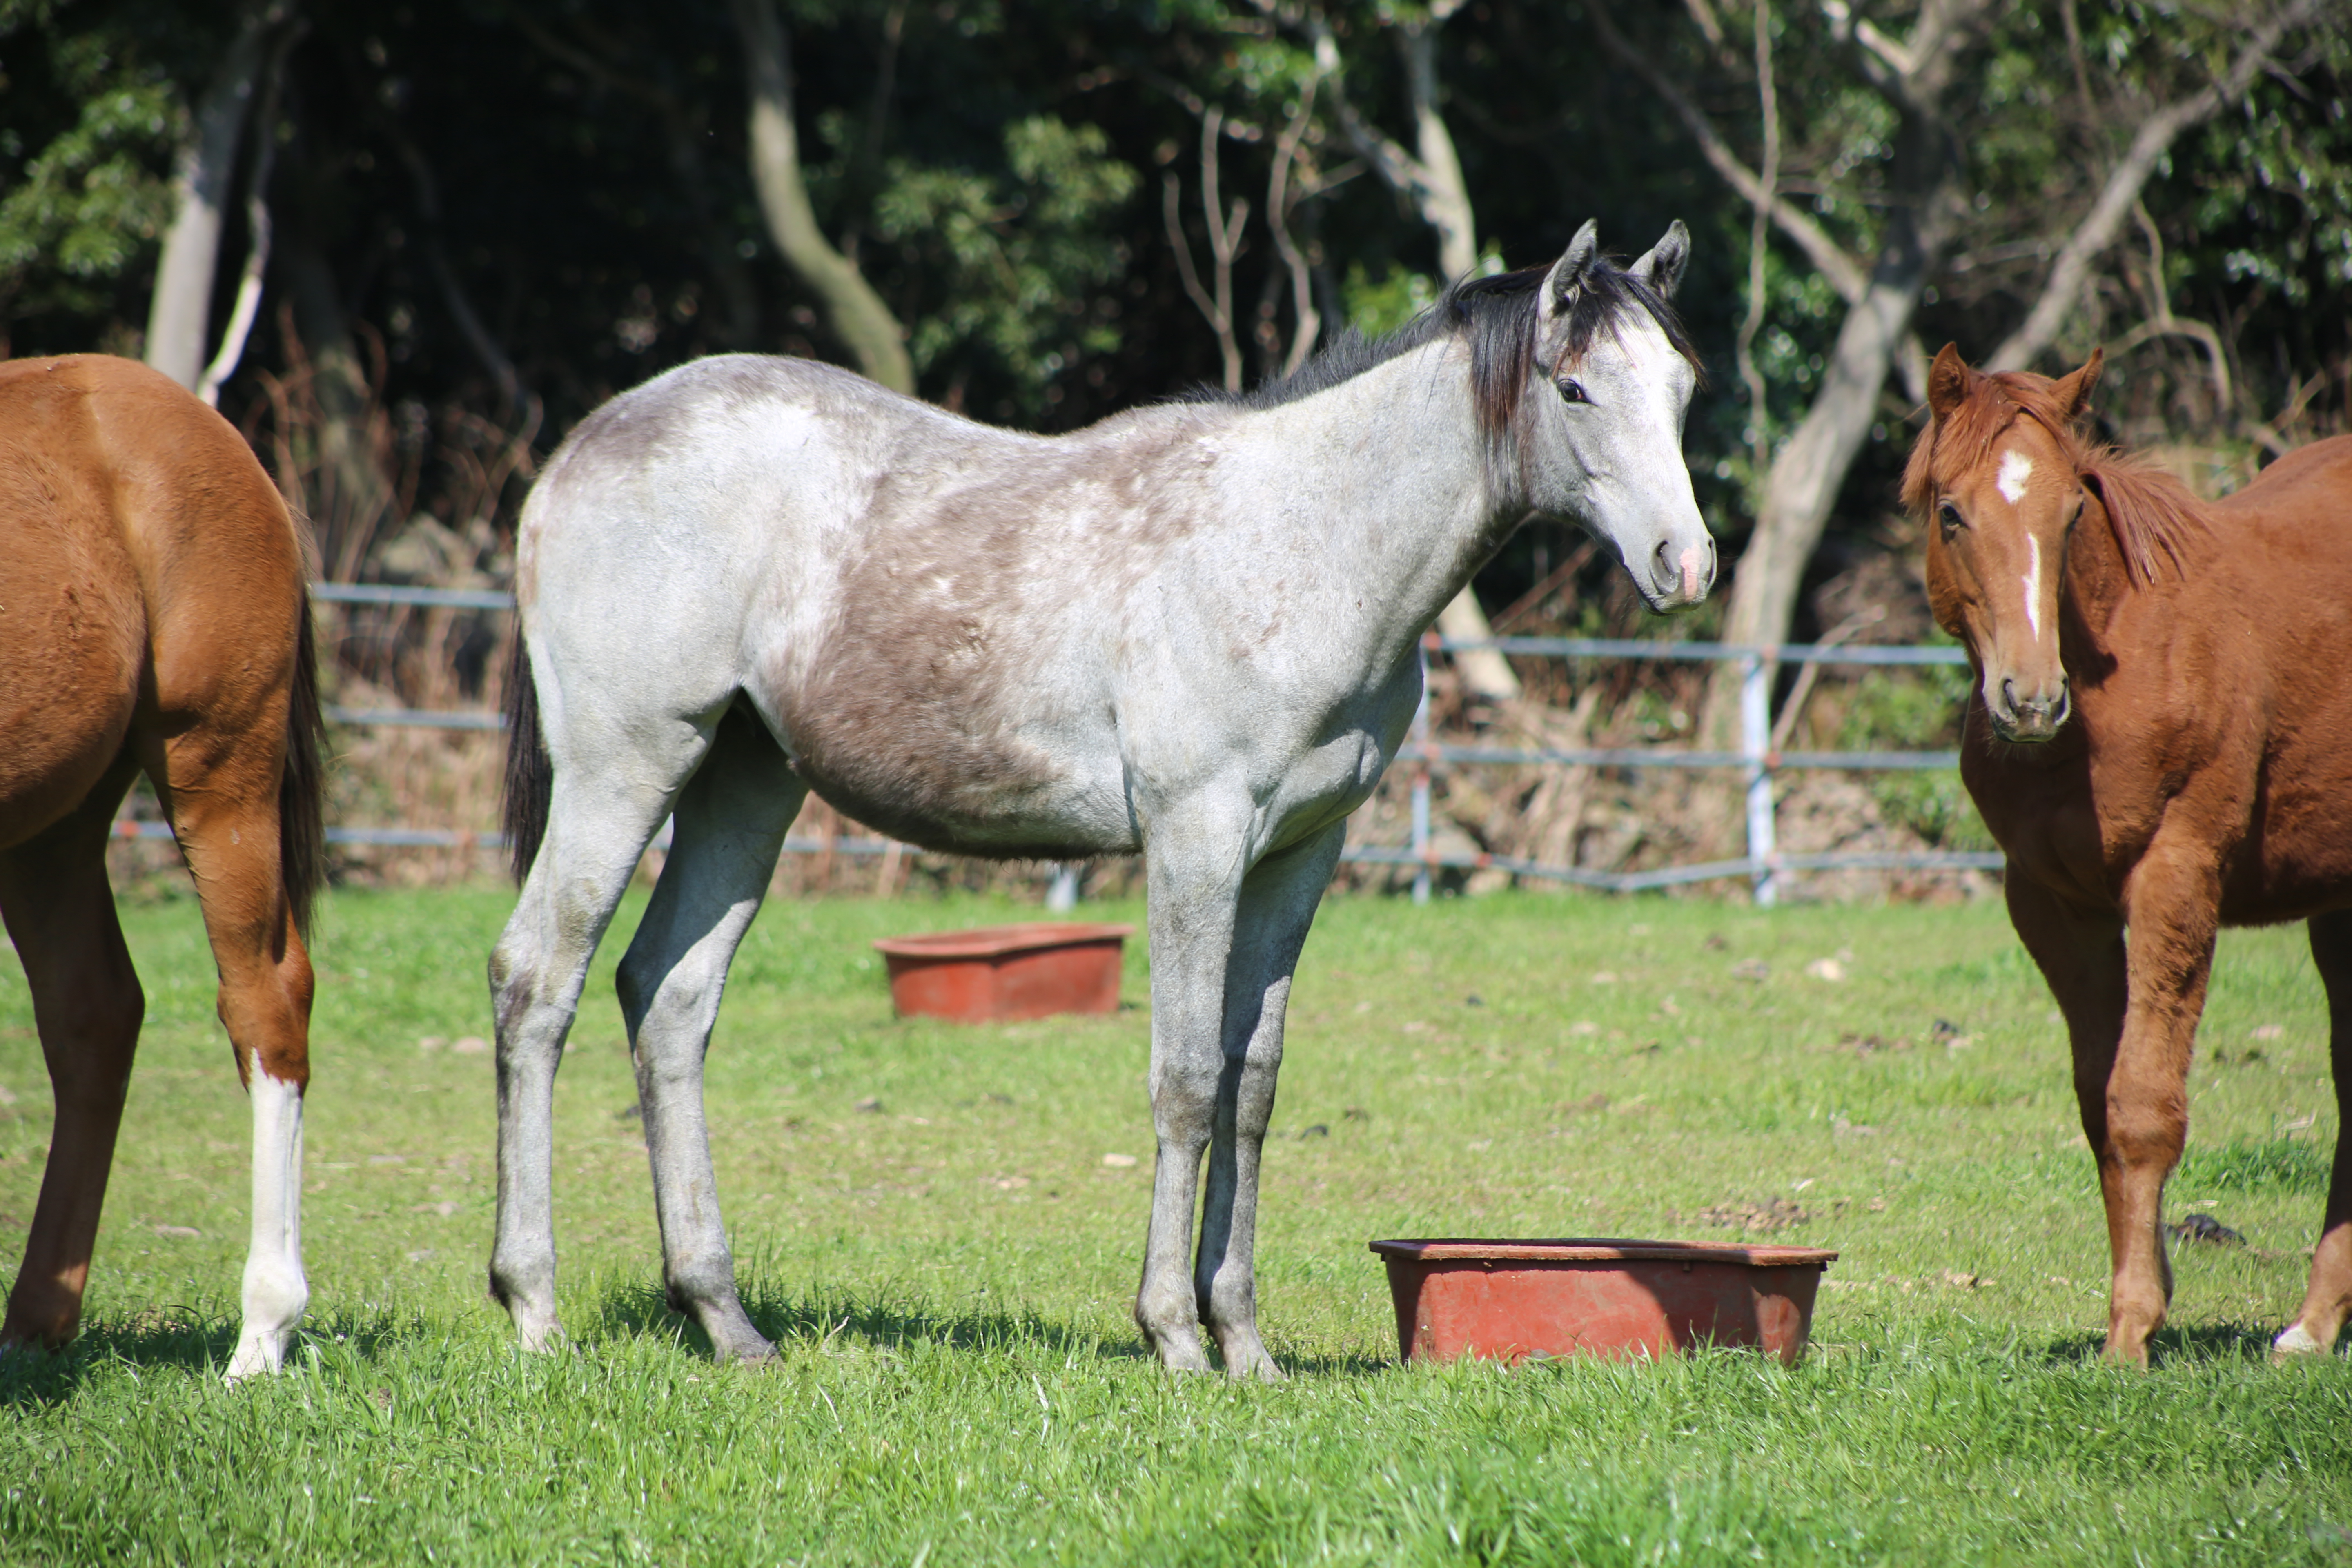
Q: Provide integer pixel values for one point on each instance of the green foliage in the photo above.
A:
(1380, 305)
(1917, 709)
(2283, 1165)
(90, 203)
(1013, 262)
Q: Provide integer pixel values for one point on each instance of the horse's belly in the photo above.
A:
(930, 777)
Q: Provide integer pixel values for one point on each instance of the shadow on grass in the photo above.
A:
(2170, 1346)
(644, 1311)
(184, 1338)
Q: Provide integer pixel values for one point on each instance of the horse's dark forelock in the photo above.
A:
(1499, 316)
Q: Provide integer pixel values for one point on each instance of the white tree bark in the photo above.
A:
(855, 312)
(1803, 482)
(179, 313)
(1431, 178)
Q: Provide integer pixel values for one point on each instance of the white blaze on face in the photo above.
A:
(2016, 468)
(2033, 584)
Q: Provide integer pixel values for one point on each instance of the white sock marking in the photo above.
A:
(2034, 584)
(275, 1290)
(2298, 1341)
(2016, 468)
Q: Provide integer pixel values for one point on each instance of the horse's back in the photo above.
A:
(140, 542)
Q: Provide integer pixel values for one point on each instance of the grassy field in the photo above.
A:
(948, 1276)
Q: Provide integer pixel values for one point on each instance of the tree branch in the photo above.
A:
(256, 222)
(853, 310)
(179, 312)
(1830, 259)
(2100, 225)
(1759, 442)
(1225, 244)
(1307, 323)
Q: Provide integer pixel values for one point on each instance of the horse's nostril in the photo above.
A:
(2009, 694)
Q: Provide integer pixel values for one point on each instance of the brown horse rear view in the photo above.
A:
(2161, 739)
(153, 619)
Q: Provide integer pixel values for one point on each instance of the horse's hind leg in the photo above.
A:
(728, 828)
(221, 793)
(86, 1002)
(597, 826)
(2327, 1301)
(1277, 904)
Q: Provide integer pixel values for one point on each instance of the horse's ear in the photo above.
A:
(2074, 392)
(1948, 380)
(1570, 269)
(1665, 263)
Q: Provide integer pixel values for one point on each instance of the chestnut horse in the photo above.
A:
(2161, 741)
(153, 619)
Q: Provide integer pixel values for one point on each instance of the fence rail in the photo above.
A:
(1763, 866)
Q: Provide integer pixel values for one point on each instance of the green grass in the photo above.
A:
(949, 1277)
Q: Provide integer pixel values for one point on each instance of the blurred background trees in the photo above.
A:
(413, 243)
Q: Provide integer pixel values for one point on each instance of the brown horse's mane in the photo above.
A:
(2154, 516)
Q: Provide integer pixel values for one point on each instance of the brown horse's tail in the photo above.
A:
(530, 775)
(302, 786)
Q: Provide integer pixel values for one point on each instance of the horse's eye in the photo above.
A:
(1571, 393)
(1949, 516)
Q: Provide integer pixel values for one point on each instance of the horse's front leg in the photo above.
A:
(1277, 903)
(2080, 952)
(2327, 1300)
(2173, 906)
(1193, 871)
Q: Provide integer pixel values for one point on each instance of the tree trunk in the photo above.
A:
(1805, 479)
(179, 314)
(1445, 197)
(1432, 178)
(855, 312)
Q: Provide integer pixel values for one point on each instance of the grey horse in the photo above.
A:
(1189, 631)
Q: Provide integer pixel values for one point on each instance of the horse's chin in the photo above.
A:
(2027, 731)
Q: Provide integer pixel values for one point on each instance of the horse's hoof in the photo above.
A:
(1245, 1358)
(1177, 1353)
(2298, 1341)
(255, 1355)
(756, 1352)
(540, 1335)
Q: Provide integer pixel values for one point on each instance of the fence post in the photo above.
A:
(1062, 888)
(1755, 746)
(1421, 850)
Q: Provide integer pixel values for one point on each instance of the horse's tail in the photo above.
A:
(530, 775)
(302, 784)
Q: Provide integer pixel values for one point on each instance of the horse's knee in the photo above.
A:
(2147, 1130)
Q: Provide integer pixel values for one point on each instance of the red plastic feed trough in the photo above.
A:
(1512, 1299)
(1006, 972)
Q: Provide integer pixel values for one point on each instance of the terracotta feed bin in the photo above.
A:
(1513, 1299)
(1002, 972)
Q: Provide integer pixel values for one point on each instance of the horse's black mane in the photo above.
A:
(1498, 315)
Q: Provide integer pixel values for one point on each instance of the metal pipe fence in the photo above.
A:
(1756, 760)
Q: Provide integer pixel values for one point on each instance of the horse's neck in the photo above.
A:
(1390, 470)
